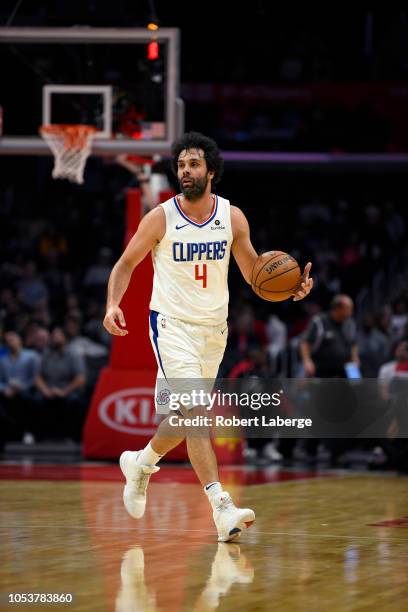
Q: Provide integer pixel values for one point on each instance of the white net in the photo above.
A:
(71, 146)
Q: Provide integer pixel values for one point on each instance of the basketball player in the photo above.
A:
(190, 237)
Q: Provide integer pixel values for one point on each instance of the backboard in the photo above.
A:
(97, 76)
(73, 104)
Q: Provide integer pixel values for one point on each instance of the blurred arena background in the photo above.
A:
(309, 113)
(309, 110)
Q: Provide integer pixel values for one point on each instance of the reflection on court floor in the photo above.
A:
(335, 542)
(230, 566)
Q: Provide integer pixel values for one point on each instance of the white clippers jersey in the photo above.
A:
(191, 265)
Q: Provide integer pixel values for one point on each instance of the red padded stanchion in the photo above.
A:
(134, 351)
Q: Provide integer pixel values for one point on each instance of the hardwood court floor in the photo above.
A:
(316, 545)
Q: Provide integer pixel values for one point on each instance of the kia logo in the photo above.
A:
(130, 411)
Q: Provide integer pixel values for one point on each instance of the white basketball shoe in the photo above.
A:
(137, 479)
(230, 520)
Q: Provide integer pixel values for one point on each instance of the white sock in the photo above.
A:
(211, 489)
(148, 456)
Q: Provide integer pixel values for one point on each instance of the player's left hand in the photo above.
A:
(306, 284)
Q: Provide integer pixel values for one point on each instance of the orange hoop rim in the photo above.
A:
(75, 135)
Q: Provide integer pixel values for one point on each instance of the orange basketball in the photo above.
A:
(275, 276)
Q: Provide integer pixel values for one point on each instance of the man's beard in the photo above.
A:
(196, 190)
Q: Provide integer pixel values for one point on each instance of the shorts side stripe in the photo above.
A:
(153, 325)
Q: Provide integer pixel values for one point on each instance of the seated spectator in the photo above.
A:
(32, 291)
(10, 308)
(72, 303)
(94, 353)
(60, 383)
(81, 344)
(41, 340)
(396, 368)
(399, 319)
(18, 370)
(97, 275)
(56, 277)
(30, 329)
(373, 347)
(93, 328)
(393, 381)
(384, 321)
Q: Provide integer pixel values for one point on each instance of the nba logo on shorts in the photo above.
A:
(163, 322)
(163, 397)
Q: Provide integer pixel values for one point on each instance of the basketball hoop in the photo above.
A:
(71, 146)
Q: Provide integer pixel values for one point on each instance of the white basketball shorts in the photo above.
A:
(188, 357)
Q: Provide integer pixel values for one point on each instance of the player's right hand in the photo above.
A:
(113, 315)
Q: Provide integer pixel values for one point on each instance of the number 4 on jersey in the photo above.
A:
(203, 276)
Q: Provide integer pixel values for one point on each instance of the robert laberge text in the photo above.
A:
(234, 421)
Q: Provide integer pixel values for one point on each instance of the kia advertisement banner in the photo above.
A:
(122, 414)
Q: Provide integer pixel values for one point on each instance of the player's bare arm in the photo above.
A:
(150, 231)
(245, 254)
(242, 249)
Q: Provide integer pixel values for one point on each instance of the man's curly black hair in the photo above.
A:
(195, 140)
